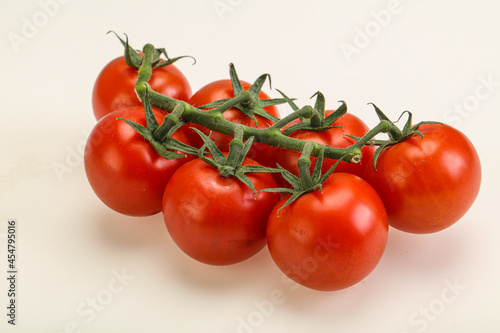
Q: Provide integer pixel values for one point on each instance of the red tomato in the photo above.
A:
(223, 89)
(114, 87)
(334, 137)
(332, 238)
(217, 220)
(123, 169)
(428, 184)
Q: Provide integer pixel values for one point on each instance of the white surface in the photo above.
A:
(428, 57)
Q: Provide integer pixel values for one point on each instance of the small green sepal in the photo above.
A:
(160, 136)
(316, 121)
(251, 105)
(134, 59)
(232, 164)
(395, 134)
(307, 181)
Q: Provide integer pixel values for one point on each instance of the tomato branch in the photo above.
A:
(272, 136)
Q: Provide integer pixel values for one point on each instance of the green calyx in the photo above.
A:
(395, 134)
(317, 120)
(232, 164)
(248, 102)
(134, 59)
(312, 118)
(160, 136)
(306, 182)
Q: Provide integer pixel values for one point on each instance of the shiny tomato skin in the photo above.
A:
(222, 89)
(329, 239)
(217, 220)
(123, 169)
(334, 137)
(428, 184)
(114, 86)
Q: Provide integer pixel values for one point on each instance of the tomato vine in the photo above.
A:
(221, 206)
(271, 136)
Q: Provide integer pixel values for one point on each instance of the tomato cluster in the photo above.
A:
(222, 206)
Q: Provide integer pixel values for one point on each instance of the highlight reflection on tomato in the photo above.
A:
(427, 184)
(336, 137)
(331, 238)
(214, 219)
(123, 169)
(114, 86)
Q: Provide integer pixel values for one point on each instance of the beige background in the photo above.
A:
(84, 268)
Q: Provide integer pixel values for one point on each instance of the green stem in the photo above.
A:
(272, 136)
(235, 149)
(162, 131)
(244, 97)
(169, 121)
(145, 71)
(304, 164)
(384, 126)
(316, 119)
(305, 112)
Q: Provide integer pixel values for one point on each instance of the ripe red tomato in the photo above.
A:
(123, 169)
(332, 238)
(334, 137)
(427, 184)
(223, 89)
(114, 87)
(217, 220)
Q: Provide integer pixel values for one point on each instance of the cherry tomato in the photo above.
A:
(217, 220)
(114, 87)
(331, 238)
(223, 89)
(427, 184)
(334, 137)
(123, 169)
